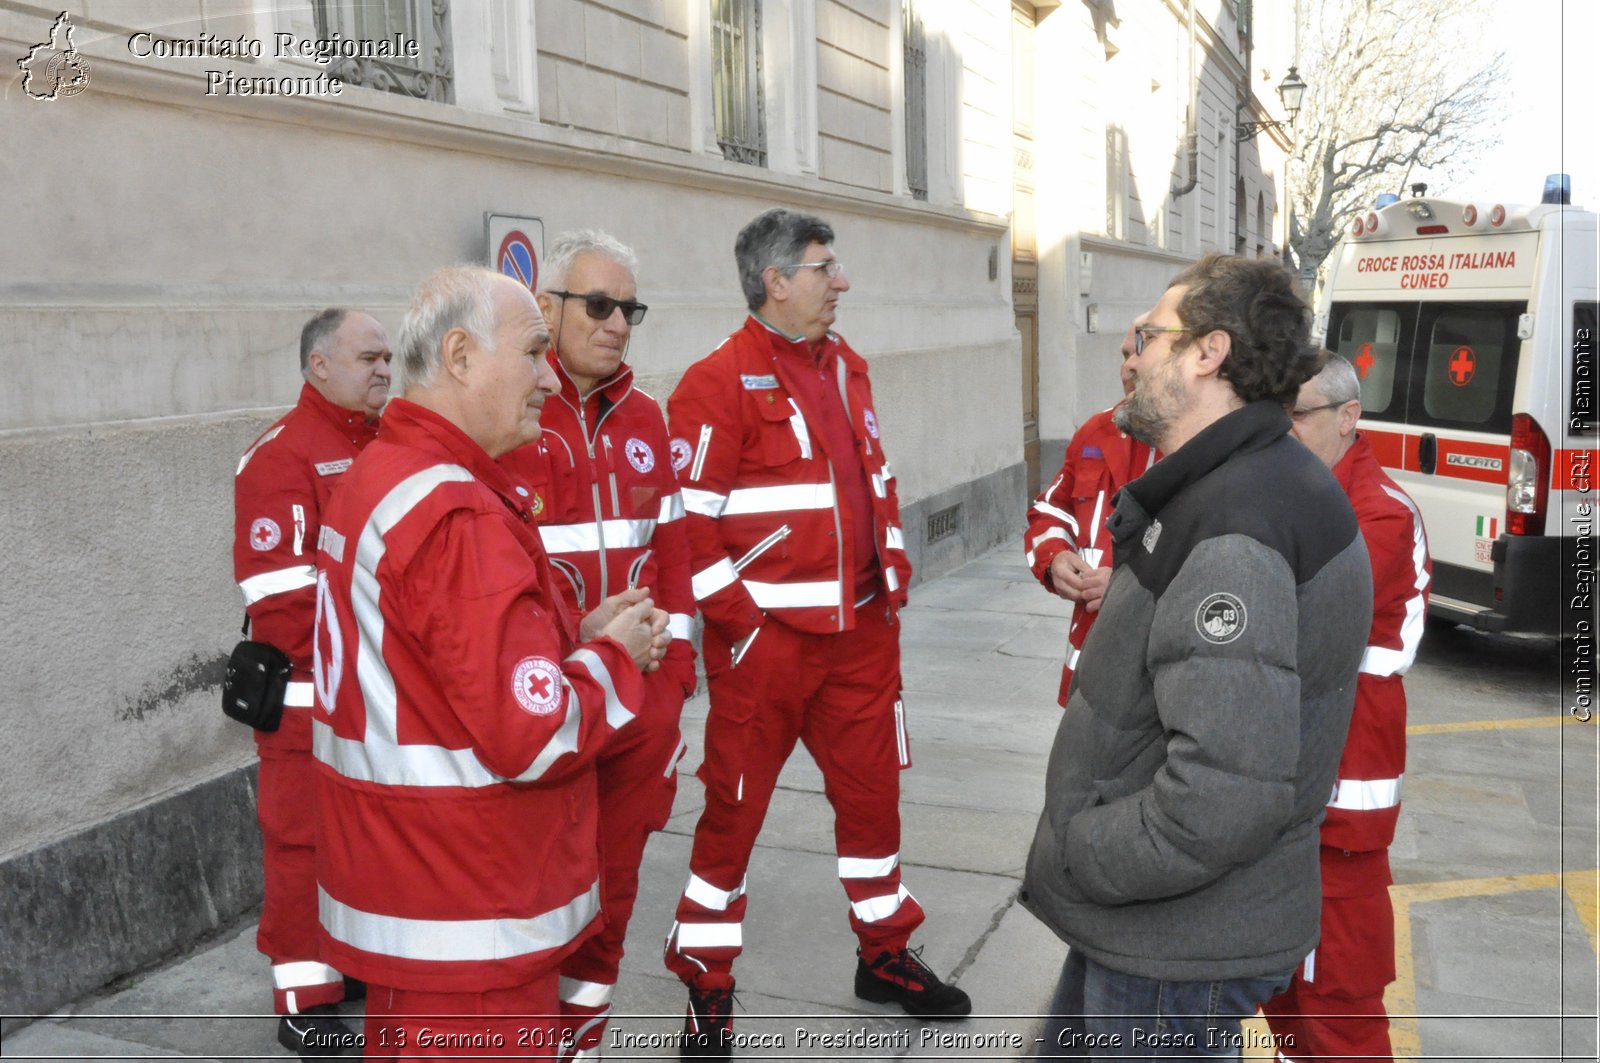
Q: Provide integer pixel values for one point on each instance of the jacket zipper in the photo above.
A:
(762, 547)
(594, 488)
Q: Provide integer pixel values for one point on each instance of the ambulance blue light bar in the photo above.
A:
(1557, 189)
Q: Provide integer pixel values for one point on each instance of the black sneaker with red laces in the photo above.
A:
(900, 977)
(708, 1026)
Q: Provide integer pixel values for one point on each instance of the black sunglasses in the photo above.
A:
(601, 307)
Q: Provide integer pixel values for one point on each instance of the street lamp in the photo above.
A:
(1292, 91)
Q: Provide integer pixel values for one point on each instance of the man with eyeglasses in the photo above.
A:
(602, 486)
(1334, 1007)
(799, 569)
(1177, 851)
(1068, 546)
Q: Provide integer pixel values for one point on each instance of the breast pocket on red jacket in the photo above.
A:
(784, 435)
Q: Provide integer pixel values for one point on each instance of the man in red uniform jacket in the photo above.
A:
(1333, 1010)
(458, 707)
(280, 492)
(612, 518)
(1068, 545)
(799, 569)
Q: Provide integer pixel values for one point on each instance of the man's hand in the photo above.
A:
(596, 620)
(635, 628)
(1078, 581)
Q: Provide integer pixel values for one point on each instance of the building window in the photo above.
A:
(1117, 182)
(429, 76)
(736, 80)
(916, 55)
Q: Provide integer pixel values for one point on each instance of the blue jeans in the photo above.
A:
(1099, 1013)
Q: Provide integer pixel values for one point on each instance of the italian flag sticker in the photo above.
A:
(1488, 528)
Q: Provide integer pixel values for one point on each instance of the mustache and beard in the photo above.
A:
(1155, 403)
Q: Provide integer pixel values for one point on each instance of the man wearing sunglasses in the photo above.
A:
(799, 568)
(1177, 851)
(610, 515)
(1068, 544)
(1334, 1007)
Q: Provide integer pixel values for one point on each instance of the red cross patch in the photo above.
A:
(1463, 364)
(536, 683)
(265, 534)
(640, 456)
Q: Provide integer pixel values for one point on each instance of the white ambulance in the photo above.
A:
(1472, 328)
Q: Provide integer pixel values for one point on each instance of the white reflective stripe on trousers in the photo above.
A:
(680, 625)
(705, 503)
(298, 695)
(591, 536)
(710, 897)
(302, 974)
(793, 595)
(584, 994)
(712, 579)
(783, 497)
(867, 867)
(278, 581)
(1365, 795)
(875, 909)
(894, 538)
(709, 936)
(458, 940)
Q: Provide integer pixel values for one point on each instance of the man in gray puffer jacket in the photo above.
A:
(1177, 852)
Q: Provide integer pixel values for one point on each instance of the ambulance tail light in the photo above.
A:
(1497, 216)
(1359, 227)
(1469, 216)
(1527, 485)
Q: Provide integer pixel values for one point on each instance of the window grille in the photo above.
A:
(945, 523)
(430, 76)
(736, 80)
(916, 56)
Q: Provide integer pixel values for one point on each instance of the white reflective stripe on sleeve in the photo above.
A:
(1072, 658)
(792, 595)
(710, 936)
(710, 897)
(887, 475)
(584, 994)
(458, 940)
(671, 508)
(1310, 972)
(278, 581)
(617, 714)
(591, 536)
(878, 486)
(863, 867)
(894, 538)
(1380, 660)
(1059, 514)
(874, 909)
(303, 974)
(891, 577)
(742, 500)
(1049, 533)
(677, 755)
(1365, 795)
(298, 695)
(709, 581)
(680, 625)
(706, 503)
(263, 441)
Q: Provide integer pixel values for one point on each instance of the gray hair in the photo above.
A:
(776, 237)
(568, 246)
(317, 331)
(454, 297)
(1336, 382)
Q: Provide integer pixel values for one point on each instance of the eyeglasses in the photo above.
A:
(1141, 334)
(1301, 415)
(830, 266)
(601, 307)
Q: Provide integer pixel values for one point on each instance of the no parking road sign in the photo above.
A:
(514, 246)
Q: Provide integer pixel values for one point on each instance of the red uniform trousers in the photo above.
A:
(839, 694)
(515, 1023)
(286, 807)
(637, 779)
(1333, 1009)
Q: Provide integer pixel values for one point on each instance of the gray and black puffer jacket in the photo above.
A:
(1203, 731)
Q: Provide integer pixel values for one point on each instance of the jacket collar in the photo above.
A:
(781, 344)
(408, 425)
(1246, 429)
(1360, 453)
(614, 388)
(352, 423)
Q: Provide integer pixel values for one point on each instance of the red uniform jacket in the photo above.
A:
(1366, 796)
(1071, 513)
(609, 510)
(456, 724)
(768, 532)
(280, 491)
